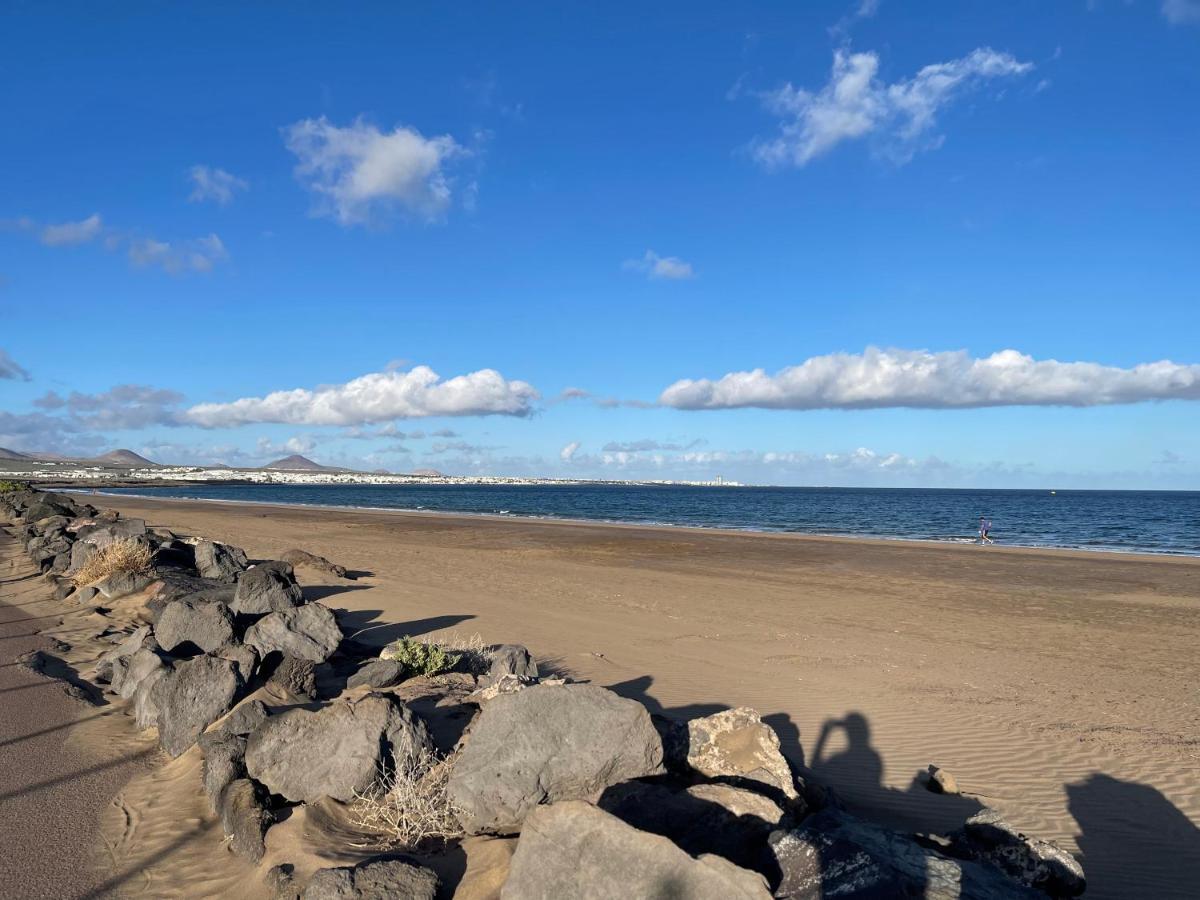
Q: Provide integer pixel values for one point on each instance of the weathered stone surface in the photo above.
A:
(268, 587)
(193, 695)
(280, 880)
(81, 552)
(122, 584)
(548, 743)
(142, 636)
(736, 743)
(145, 712)
(312, 561)
(987, 836)
(512, 659)
(245, 658)
(335, 751)
(104, 534)
(506, 684)
(377, 879)
(208, 626)
(836, 855)
(573, 849)
(378, 673)
(305, 632)
(246, 718)
(939, 781)
(224, 763)
(220, 562)
(245, 818)
(297, 677)
(128, 672)
(706, 818)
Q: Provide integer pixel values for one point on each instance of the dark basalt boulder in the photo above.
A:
(574, 849)
(220, 562)
(834, 854)
(512, 659)
(268, 587)
(297, 677)
(378, 673)
(548, 743)
(378, 879)
(306, 632)
(190, 697)
(988, 837)
(208, 626)
(336, 751)
(245, 818)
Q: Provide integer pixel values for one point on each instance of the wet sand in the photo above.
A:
(1057, 686)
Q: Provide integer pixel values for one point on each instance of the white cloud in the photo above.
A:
(856, 104)
(121, 407)
(197, 255)
(10, 369)
(568, 452)
(267, 447)
(654, 266)
(69, 233)
(1181, 12)
(359, 171)
(948, 380)
(214, 184)
(377, 397)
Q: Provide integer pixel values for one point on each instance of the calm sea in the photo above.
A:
(1146, 521)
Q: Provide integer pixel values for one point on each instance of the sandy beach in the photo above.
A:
(1057, 686)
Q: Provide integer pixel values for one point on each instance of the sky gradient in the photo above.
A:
(826, 243)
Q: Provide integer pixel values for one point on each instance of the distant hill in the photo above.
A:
(427, 473)
(12, 454)
(122, 457)
(298, 463)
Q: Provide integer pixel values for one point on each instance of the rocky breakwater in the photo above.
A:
(427, 748)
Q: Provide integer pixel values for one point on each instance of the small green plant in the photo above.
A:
(11, 487)
(419, 658)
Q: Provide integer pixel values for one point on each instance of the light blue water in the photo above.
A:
(1146, 521)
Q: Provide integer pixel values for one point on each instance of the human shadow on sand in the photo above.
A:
(1133, 841)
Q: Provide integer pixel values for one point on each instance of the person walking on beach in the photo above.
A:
(985, 528)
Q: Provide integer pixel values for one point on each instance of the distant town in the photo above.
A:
(121, 467)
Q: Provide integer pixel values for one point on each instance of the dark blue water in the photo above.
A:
(1147, 521)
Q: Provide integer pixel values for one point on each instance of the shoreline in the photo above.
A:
(886, 540)
(1057, 686)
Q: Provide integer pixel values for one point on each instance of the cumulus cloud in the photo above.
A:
(377, 397)
(1181, 12)
(69, 233)
(652, 265)
(359, 172)
(124, 406)
(198, 255)
(10, 369)
(568, 452)
(856, 104)
(947, 380)
(440, 447)
(214, 184)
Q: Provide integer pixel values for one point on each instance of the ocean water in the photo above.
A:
(1143, 521)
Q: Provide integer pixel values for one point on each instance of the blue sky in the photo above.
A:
(564, 211)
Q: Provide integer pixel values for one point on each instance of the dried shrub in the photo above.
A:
(409, 807)
(123, 555)
(474, 656)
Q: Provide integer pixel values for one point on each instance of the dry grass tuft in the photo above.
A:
(473, 653)
(409, 807)
(123, 555)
